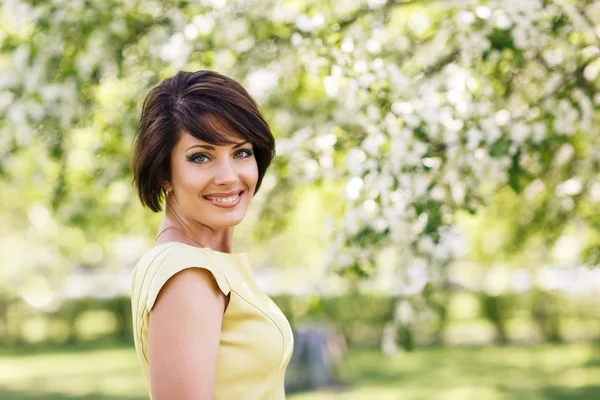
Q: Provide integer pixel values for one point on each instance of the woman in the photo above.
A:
(202, 327)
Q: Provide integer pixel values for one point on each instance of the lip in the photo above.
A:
(226, 205)
(228, 194)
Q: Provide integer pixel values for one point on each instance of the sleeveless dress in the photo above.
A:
(256, 339)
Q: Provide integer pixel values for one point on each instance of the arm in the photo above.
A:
(183, 336)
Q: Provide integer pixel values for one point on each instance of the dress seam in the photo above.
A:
(280, 332)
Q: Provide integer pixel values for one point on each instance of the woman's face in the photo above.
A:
(212, 185)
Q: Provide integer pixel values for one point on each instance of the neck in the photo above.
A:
(216, 239)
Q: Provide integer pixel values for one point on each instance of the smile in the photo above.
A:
(227, 202)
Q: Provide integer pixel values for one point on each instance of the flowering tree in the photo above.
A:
(447, 104)
(423, 109)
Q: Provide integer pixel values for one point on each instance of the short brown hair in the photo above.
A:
(191, 102)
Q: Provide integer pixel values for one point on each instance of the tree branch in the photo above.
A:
(568, 79)
(441, 63)
(579, 17)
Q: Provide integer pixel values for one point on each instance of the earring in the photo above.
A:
(169, 191)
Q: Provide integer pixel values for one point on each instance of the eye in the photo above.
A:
(243, 153)
(198, 158)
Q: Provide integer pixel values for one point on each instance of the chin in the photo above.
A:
(223, 223)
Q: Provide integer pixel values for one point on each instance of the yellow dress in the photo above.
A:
(256, 339)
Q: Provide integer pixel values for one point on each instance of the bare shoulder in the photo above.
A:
(189, 287)
(183, 335)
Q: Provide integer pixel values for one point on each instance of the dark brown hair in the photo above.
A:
(197, 103)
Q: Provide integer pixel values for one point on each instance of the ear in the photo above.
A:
(167, 187)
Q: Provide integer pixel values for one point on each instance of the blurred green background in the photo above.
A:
(432, 210)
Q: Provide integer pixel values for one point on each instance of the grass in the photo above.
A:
(510, 372)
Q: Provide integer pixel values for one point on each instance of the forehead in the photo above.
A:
(185, 139)
(210, 130)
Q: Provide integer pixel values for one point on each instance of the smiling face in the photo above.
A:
(212, 185)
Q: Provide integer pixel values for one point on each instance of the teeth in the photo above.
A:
(229, 199)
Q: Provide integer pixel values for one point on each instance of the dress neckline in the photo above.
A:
(235, 255)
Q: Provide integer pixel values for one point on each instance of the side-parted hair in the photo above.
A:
(200, 103)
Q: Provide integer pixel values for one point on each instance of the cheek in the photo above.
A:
(252, 175)
(248, 175)
(189, 178)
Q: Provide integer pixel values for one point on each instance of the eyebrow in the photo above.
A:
(209, 147)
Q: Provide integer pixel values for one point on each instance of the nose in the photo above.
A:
(225, 173)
